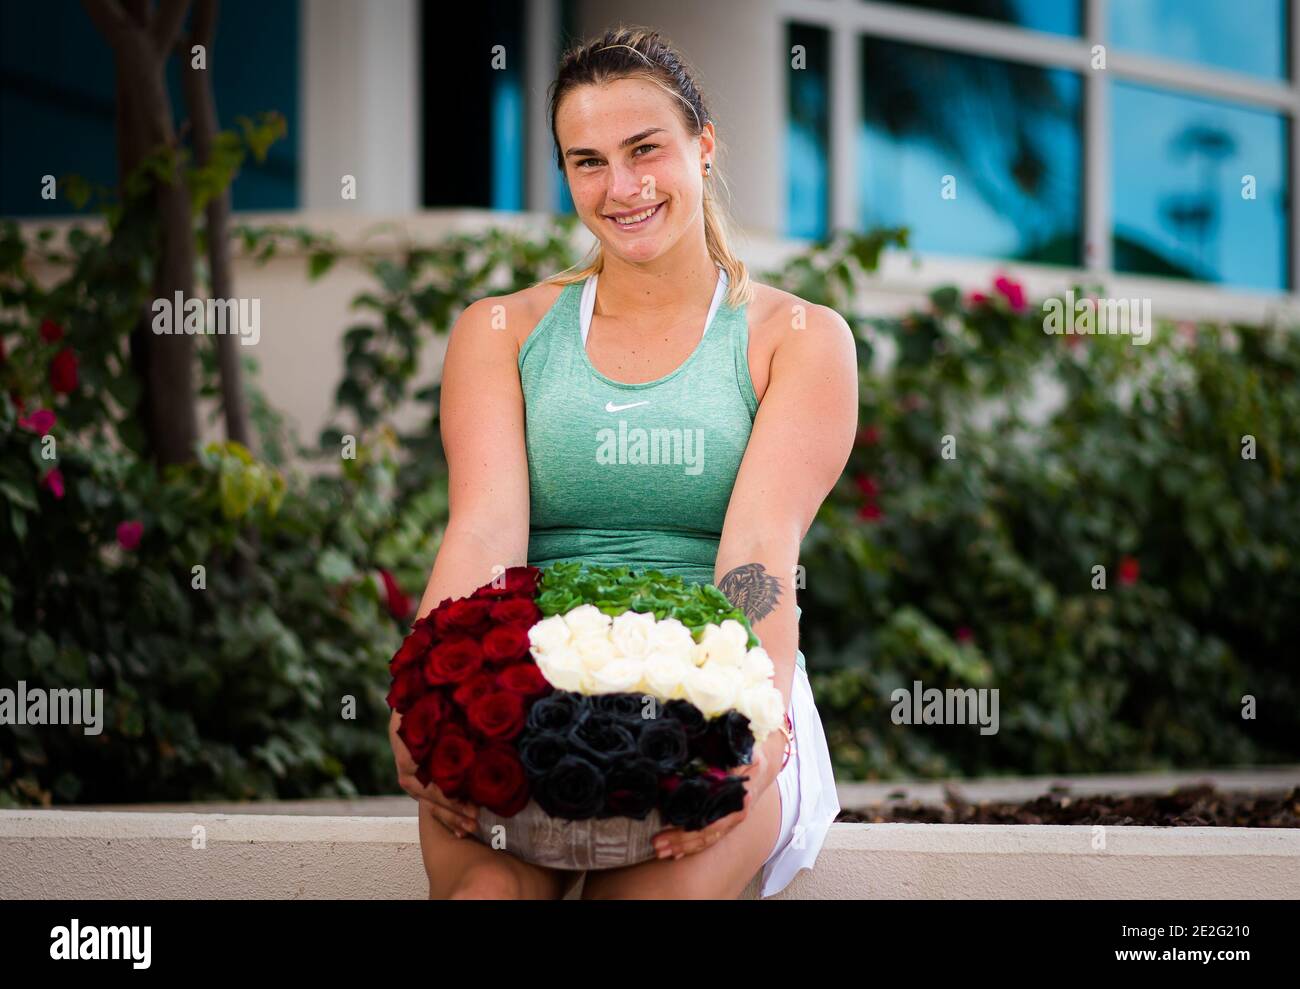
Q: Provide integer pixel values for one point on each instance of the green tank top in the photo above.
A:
(635, 475)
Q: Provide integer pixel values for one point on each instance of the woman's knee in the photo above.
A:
(487, 881)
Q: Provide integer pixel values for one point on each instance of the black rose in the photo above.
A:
(627, 709)
(727, 796)
(632, 790)
(556, 712)
(683, 803)
(691, 717)
(602, 739)
(540, 751)
(663, 741)
(573, 790)
(737, 738)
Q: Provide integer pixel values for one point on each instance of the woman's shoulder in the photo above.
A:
(516, 312)
(775, 312)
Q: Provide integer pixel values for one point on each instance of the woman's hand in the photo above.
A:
(458, 816)
(676, 842)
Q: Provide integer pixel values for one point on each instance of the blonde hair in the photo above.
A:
(640, 53)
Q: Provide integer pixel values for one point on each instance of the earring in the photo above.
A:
(708, 167)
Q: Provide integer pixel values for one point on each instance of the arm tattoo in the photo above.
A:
(751, 589)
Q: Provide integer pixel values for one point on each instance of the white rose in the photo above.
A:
(721, 645)
(549, 634)
(764, 706)
(757, 666)
(618, 676)
(595, 650)
(587, 620)
(630, 633)
(563, 668)
(665, 675)
(713, 689)
(672, 638)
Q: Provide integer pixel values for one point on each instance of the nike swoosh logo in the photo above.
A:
(611, 407)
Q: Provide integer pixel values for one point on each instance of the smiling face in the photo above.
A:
(635, 172)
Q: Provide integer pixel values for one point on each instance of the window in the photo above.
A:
(995, 130)
(976, 156)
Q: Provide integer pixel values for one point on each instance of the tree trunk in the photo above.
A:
(141, 42)
(202, 111)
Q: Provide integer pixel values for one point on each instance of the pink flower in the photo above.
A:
(964, 635)
(1013, 292)
(40, 422)
(1128, 570)
(399, 605)
(129, 533)
(51, 332)
(53, 482)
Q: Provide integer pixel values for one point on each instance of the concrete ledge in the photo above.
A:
(84, 854)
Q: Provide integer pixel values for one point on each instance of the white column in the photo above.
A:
(846, 95)
(541, 35)
(360, 104)
(1097, 193)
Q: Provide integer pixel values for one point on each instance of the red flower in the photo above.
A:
(399, 605)
(448, 763)
(506, 643)
(513, 582)
(1128, 570)
(407, 687)
(414, 648)
(524, 679)
(964, 635)
(870, 512)
(41, 421)
(516, 611)
(51, 332)
(453, 661)
(1013, 292)
(422, 722)
(63, 371)
(129, 533)
(868, 436)
(977, 298)
(53, 481)
(498, 716)
(867, 485)
(475, 687)
(467, 616)
(497, 781)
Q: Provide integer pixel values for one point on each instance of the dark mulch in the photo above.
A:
(1189, 806)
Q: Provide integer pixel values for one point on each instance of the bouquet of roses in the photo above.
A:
(585, 709)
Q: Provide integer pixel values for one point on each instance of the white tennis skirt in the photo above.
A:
(809, 803)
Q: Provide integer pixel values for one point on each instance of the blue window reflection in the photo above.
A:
(1007, 135)
(807, 132)
(1180, 165)
(1241, 35)
(1056, 16)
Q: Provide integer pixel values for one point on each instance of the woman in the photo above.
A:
(599, 411)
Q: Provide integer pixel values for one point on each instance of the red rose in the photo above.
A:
(467, 616)
(475, 687)
(498, 716)
(421, 724)
(514, 582)
(976, 298)
(128, 534)
(51, 331)
(516, 611)
(964, 635)
(63, 371)
(524, 679)
(399, 605)
(497, 781)
(870, 513)
(407, 687)
(866, 485)
(506, 643)
(453, 661)
(413, 649)
(448, 763)
(1128, 570)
